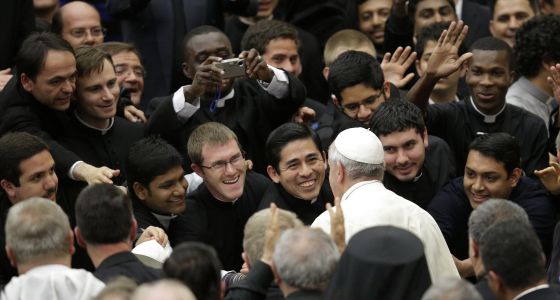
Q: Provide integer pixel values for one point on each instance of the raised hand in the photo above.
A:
(133, 114)
(271, 235)
(445, 59)
(338, 232)
(255, 66)
(93, 175)
(394, 65)
(554, 80)
(207, 78)
(550, 178)
(153, 233)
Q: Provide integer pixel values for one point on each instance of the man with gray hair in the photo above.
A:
(303, 262)
(356, 160)
(451, 288)
(40, 244)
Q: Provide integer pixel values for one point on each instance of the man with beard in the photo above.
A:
(27, 171)
(489, 75)
(251, 107)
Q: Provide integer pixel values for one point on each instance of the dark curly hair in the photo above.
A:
(537, 41)
(261, 33)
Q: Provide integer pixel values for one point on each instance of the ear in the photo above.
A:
(9, 188)
(140, 190)
(277, 278)
(387, 89)
(197, 170)
(79, 238)
(326, 72)
(335, 101)
(491, 28)
(419, 68)
(72, 247)
(133, 229)
(495, 283)
(26, 83)
(425, 138)
(273, 174)
(186, 69)
(11, 256)
(473, 248)
(515, 176)
(340, 172)
(246, 259)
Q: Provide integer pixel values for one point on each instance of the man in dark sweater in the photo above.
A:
(492, 171)
(218, 210)
(297, 166)
(106, 228)
(417, 165)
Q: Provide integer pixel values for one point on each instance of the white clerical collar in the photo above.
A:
(164, 219)
(222, 101)
(418, 177)
(103, 131)
(525, 292)
(488, 118)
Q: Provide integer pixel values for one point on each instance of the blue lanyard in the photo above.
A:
(217, 96)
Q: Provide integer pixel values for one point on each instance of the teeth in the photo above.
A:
(307, 183)
(231, 181)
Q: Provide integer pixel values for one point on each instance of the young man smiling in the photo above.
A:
(492, 171)
(297, 166)
(229, 195)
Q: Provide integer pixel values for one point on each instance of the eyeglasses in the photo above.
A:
(353, 108)
(311, 161)
(82, 32)
(125, 70)
(235, 161)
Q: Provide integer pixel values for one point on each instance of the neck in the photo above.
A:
(540, 81)
(98, 253)
(478, 267)
(443, 96)
(351, 182)
(286, 289)
(93, 122)
(64, 260)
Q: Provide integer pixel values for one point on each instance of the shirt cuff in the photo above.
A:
(184, 109)
(71, 171)
(279, 85)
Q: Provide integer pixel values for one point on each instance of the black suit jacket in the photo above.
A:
(541, 294)
(125, 264)
(17, 21)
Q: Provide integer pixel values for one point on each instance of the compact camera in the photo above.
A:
(233, 67)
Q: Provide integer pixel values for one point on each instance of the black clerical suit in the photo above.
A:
(458, 123)
(541, 294)
(20, 111)
(306, 210)
(221, 224)
(252, 114)
(6, 269)
(451, 210)
(437, 170)
(125, 264)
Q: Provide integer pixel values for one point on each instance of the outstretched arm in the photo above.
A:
(443, 61)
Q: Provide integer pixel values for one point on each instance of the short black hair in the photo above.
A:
(512, 250)
(33, 52)
(285, 134)
(493, 44)
(492, 5)
(397, 116)
(500, 146)
(537, 41)
(261, 33)
(16, 147)
(103, 214)
(196, 265)
(432, 33)
(352, 68)
(412, 4)
(200, 30)
(149, 158)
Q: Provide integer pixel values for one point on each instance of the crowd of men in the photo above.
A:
(279, 149)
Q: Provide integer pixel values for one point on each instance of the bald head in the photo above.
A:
(80, 24)
(163, 290)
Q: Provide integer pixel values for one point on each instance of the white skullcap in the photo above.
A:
(361, 145)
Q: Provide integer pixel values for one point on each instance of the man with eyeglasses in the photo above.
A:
(297, 166)
(78, 23)
(218, 210)
(359, 87)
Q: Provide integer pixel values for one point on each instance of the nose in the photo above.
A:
(364, 113)
(108, 94)
(376, 20)
(305, 170)
(514, 23)
(402, 158)
(89, 39)
(438, 18)
(229, 169)
(477, 184)
(131, 76)
(51, 181)
(486, 80)
(288, 67)
(68, 86)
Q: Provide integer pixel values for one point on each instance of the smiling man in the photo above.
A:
(297, 165)
(27, 171)
(229, 195)
(492, 171)
(507, 18)
(417, 165)
(489, 75)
